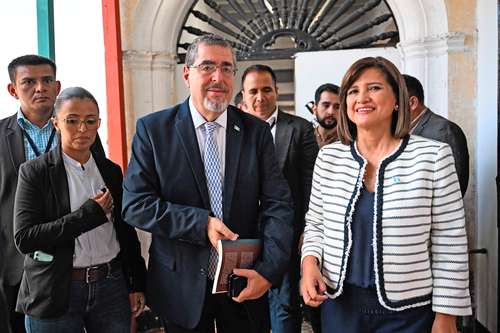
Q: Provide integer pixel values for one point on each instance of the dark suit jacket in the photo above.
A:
(43, 221)
(433, 126)
(165, 193)
(11, 157)
(296, 149)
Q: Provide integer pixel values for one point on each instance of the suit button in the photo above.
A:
(203, 271)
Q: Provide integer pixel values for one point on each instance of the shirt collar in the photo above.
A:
(273, 118)
(25, 123)
(415, 121)
(198, 119)
(77, 165)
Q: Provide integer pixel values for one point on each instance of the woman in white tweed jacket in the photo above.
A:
(385, 246)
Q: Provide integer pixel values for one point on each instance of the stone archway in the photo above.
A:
(150, 50)
(150, 30)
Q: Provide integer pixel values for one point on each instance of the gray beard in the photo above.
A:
(214, 106)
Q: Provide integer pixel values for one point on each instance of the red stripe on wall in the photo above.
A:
(117, 141)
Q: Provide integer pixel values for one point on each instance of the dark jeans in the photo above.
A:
(284, 301)
(358, 310)
(228, 315)
(99, 307)
(284, 307)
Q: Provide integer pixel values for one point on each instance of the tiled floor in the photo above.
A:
(306, 328)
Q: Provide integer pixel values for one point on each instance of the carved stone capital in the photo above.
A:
(149, 60)
(436, 45)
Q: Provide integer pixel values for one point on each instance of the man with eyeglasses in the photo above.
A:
(200, 172)
(24, 136)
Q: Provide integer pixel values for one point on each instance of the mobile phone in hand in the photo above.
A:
(236, 284)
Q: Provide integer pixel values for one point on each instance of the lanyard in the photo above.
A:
(32, 143)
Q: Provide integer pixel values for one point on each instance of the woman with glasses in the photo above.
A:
(385, 245)
(82, 262)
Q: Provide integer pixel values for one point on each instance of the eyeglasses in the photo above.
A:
(90, 123)
(207, 69)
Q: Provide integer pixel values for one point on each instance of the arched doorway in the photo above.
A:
(268, 29)
(151, 51)
(275, 31)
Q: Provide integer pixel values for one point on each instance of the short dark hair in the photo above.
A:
(238, 98)
(330, 87)
(72, 93)
(28, 60)
(414, 87)
(400, 126)
(258, 68)
(209, 39)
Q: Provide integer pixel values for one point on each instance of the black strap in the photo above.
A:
(34, 147)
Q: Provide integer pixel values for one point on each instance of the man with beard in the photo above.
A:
(326, 108)
(200, 172)
(296, 150)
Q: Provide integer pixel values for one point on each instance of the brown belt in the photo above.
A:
(95, 273)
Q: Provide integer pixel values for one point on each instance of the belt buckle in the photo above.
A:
(88, 271)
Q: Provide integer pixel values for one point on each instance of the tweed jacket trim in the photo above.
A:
(419, 240)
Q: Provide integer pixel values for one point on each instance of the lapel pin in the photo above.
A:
(236, 128)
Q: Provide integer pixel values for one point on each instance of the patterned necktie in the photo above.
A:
(214, 183)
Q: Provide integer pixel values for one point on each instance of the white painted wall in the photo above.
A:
(312, 69)
(79, 47)
(18, 37)
(80, 50)
(486, 159)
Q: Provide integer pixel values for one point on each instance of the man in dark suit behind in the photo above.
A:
(4, 310)
(296, 149)
(429, 125)
(202, 171)
(23, 136)
(32, 82)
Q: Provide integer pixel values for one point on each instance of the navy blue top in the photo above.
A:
(360, 271)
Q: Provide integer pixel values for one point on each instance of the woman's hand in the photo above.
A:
(137, 303)
(312, 286)
(444, 323)
(104, 200)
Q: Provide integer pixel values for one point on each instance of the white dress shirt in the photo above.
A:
(272, 123)
(219, 134)
(98, 245)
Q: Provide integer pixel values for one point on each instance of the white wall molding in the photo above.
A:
(149, 60)
(436, 45)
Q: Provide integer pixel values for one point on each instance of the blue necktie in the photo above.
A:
(214, 184)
